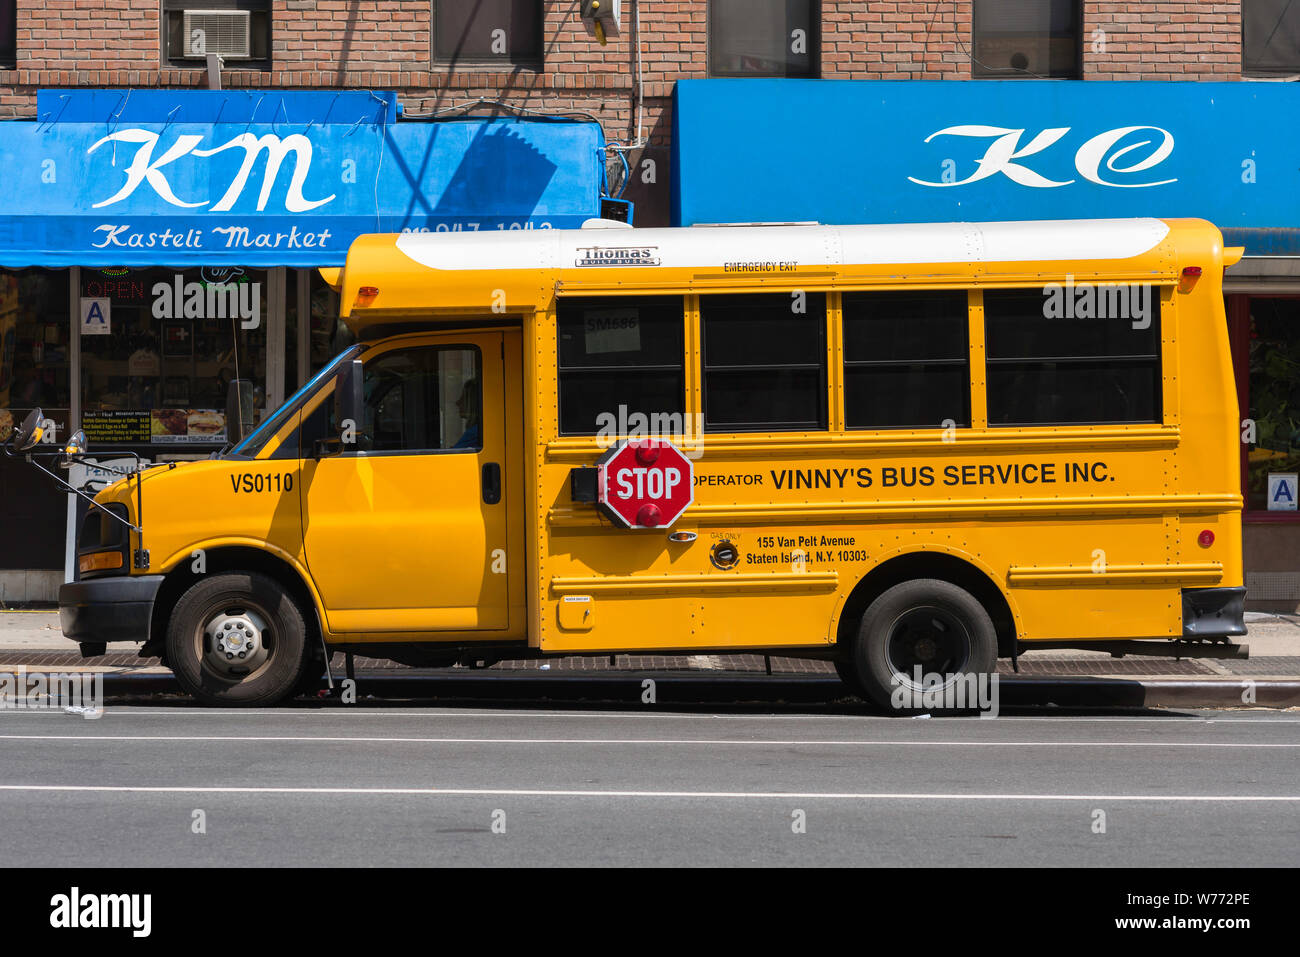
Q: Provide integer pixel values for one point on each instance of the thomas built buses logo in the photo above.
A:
(618, 256)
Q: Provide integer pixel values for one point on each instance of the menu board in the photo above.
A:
(165, 426)
(171, 426)
(115, 426)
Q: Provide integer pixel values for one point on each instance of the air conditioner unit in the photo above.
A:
(226, 33)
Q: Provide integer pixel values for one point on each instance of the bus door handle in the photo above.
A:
(492, 483)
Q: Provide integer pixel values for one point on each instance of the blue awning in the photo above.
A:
(867, 151)
(185, 178)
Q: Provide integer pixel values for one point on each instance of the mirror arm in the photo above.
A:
(138, 529)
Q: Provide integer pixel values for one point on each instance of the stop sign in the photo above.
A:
(644, 483)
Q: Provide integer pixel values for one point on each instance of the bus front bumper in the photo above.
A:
(101, 610)
(1214, 612)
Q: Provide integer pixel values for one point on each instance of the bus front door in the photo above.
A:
(408, 532)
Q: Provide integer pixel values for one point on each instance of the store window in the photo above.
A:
(35, 372)
(8, 33)
(1012, 39)
(34, 353)
(1273, 400)
(764, 362)
(159, 348)
(764, 38)
(506, 31)
(1270, 37)
(239, 31)
(314, 333)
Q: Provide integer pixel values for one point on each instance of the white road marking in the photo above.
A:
(775, 742)
(717, 795)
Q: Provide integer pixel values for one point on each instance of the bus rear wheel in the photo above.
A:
(917, 641)
(237, 639)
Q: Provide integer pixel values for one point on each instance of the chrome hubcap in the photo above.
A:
(235, 642)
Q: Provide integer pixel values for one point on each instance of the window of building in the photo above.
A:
(508, 31)
(764, 38)
(1076, 355)
(906, 360)
(314, 333)
(764, 362)
(1274, 395)
(8, 33)
(620, 357)
(159, 348)
(35, 354)
(1270, 37)
(238, 30)
(1012, 38)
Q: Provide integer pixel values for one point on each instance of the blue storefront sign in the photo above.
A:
(847, 151)
(122, 178)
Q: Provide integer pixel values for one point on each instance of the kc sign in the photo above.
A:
(994, 150)
(644, 484)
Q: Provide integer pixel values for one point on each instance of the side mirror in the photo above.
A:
(350, 399)
(239, 409)
(30, 432)
(76, 445)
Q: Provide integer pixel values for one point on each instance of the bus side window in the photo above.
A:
(619, 357)
(906, 359)
(764, 362)
(1049, 366)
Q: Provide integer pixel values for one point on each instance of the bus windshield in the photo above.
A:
(253, 442)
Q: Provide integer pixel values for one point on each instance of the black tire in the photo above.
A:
(225, 602)
(924, 623)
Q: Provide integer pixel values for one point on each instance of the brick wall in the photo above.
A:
(1162, 41)
(330, 43)
(385, 44)
(895, 41)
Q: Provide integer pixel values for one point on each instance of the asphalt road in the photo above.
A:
(402, 785)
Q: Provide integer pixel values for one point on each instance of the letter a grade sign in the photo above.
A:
(644, 483)
(96, 317)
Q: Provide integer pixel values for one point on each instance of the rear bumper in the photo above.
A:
(108, 609)
(1214, 612)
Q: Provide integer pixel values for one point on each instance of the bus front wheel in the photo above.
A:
(920, 643)
(237, 639)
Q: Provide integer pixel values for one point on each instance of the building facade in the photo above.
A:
(437, 61)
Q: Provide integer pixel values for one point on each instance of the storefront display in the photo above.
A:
(35, 370)
(179, 338)
(34, 352)
(1274, 403)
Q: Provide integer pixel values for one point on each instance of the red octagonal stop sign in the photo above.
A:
(644, 483)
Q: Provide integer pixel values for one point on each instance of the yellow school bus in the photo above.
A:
(909, 449)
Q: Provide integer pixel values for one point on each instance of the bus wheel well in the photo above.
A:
(928, 565)
(231, 558)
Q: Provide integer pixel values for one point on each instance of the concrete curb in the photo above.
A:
(732, 687)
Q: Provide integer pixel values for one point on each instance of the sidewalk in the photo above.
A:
(33, 639)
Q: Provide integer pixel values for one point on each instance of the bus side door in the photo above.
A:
(408, 532)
